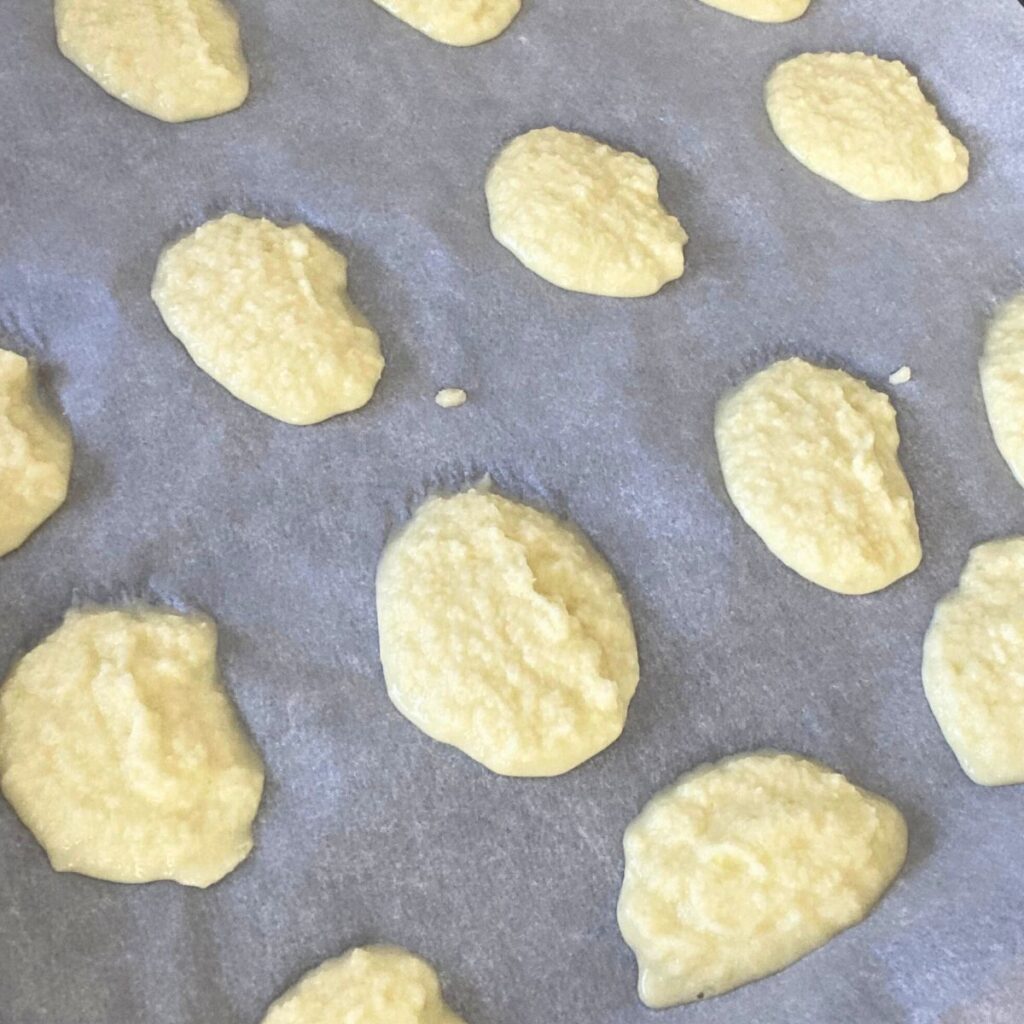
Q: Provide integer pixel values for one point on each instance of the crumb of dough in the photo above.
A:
(762, 10)
(900, 376)
(455, 22)
(743, 867)
(1002, 383)
(450, 398)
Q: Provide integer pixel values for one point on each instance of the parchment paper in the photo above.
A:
(598, 409)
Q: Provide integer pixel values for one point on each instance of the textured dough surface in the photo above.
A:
(809, 458)
(368, 985)
(504, 633)
(456, 22)
(864, 124)
(1002, 383)
(35, 455)
(264, 311)
(973, 664)
(177, 60)
(744, 866)
(121, 752)
(582, 215)
(762, 10)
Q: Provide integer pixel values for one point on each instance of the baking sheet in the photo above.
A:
(599, 409)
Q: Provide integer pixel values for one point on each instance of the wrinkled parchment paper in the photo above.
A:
(598, 409)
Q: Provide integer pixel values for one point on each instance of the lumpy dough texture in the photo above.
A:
(368, 985)
(1002, 383)
(582, 215)
(864, 124)
(35, 455)
(762, 10)
(809, 457)
(973, 664)
(456, 22)
(265, 312)
(121, 752)
(177, 60)
(503, 632)
(744, 866)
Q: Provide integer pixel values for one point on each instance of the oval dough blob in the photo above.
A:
(744, 866)
(973, 664)
(455, 22)
(368, 985)
(809, 458)
(264, 311)
(177, 60)
(762, 10)
(504, 633)
(864, 124)
(582, 215)
(35, 455)
(122, 754)
(1002, 383)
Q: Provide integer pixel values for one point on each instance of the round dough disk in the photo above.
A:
(121, 752)
(177, 60)
(35, 455)
(456, 22)
(264, 311)
(864, 124)
(762, 10)
(973, 664)
(809, 458)
(504, 633)
(368, 985)
(1002, 383)
(582, 215)
(744, 866)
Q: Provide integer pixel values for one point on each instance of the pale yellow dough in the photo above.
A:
(177, 60)
(121, 752)
(809, 458)
(265, 312)
(582, 215)
(456, 22)
(973, 664)
(35, 455)
(864, 124)
(1002, 383)
(744, 866)
(504, 633)
(762, 10)
(368, 985)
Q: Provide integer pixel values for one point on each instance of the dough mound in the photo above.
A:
(456, 22)
(264, 311)
(504, 633)
(35, 455)
(864, 124)
(762, 10)
(177, 60)
(582, 215)
(744, 866)
(1002, 383)
(809, 458)
(368, 985)
(122, 754)
(973, 664)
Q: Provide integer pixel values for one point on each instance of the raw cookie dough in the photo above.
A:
(121, 752)
(1002, 383)
(582, 215)
(368, 985)
(456, 22)
(177, 60)
(809, 458)
(864, 124)
(35, 455)
(504, 633)
(973, 664)
(744, 866)
(264, 311)
(762, 10)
